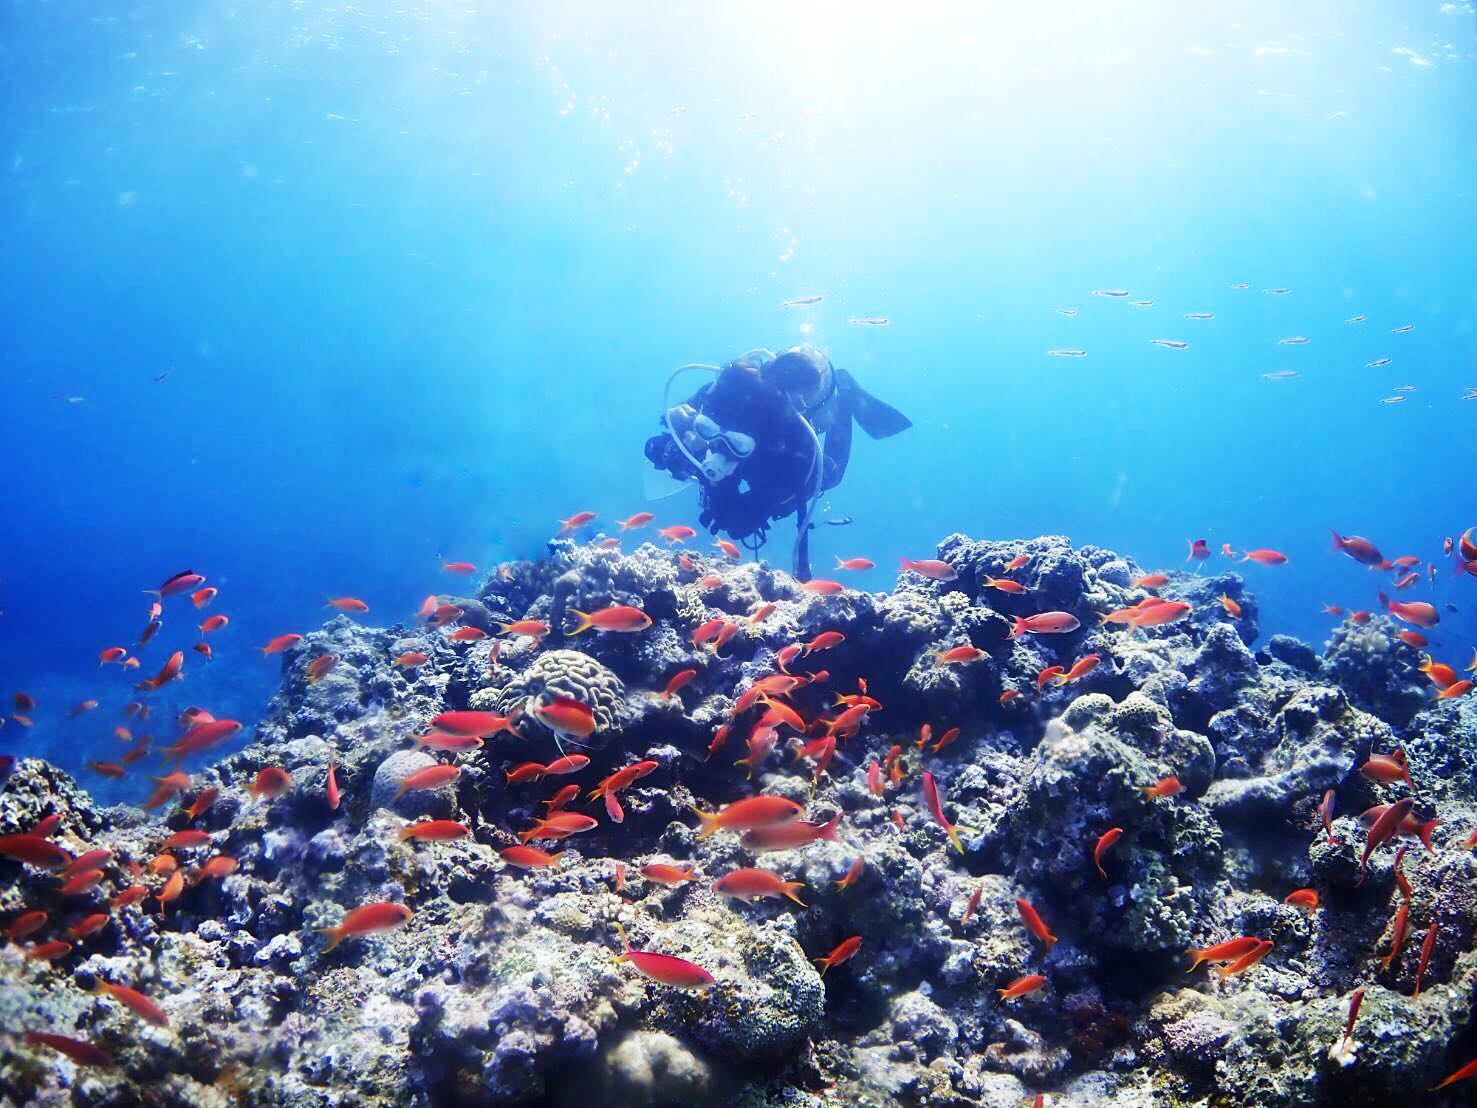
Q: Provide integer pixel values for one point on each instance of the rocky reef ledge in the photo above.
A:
(503, 986)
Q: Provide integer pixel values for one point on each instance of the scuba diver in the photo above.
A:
(753, 439)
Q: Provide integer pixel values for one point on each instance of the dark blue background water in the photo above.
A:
(417, 276)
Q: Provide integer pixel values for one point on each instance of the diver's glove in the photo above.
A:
(662, 452)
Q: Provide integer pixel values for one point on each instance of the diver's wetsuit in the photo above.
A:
(779, 477)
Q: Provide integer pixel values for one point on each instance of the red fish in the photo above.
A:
(936, 807)
(34, 850)
(131, 998)
(853, 873)
(183, 581)
(855, 563)
(959, 655)
(1045, 623)
(575, 522)
(678, 679)
(49, 951)
(89, 925)
(640, 519)
(822, 587)
(529, 857)
(570, 763)
(79, 1051)
(112, 654)
(971, 905)
(1360, 549)
(431, 777)
(366, 919)
(280, 643)
(1397, 936)
(469, 724)
(676, 534)
(468, 634)
(1022, 986)
(411, 659)
(558, 825)
(203, 597)
(435, 740)
(185, 840)
(617, 617)
(1034, 923)
(1016, 563)
(761, 613)
(1003, 584)
(1411, 638)
(1265, 557)
(1325, 811)
(1411, 611)
(330, 787)
(566, 716)
(933, 568)
(1231, 950)
(665, 968)
(788, 836)
(27, 923)
(1007, 695)
(463, 568)
(564, 796)
(845, 950)
(946, 739)
(728, 548)
(1164, 787)
(269, 782)
(1199, 550)
(1387, 768)
(434, 830)
(1152, 581)
(346, 604)
(1411, 826)
(80, 882)
(1426, 948)
(623, 778)
(1247, 960)
(1104, 844)
(1049, 673)
(213, 623)
(1384, 829)
(1081, 668)
(1233, 609)
(1302, 898)
(824, 641)
(110, 770)
(320, 667)
(1156, 615)
(1455, 689)
(743, 815)
(664, 874)
(756, 884)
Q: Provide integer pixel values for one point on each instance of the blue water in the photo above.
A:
(413, 278)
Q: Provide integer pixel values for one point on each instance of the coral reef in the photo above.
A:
(1207, 758)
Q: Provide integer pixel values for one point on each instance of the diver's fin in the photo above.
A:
(877, 419)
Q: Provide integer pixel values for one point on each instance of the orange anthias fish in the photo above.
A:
(1411, 638)
(1034, 923)
(1047, 675)
(1022, 986)
(1247, 960)
(936, 807)
(788, 836)
(1233, 609)
(112, 654)
(434, 830)
(468, 724)
(280, 643)
(367, 918)
(529, 857)
(172, 889)
(1156, 615)
(959, 655)
(822, 587)
(168, 673)
(1045, 623)
(755, 884)
(1397, 935)
(566, 716)
(617, 617)
(824, 641)
(639, 520)
(1440, 674)
(435, 740)
(1231, 950)
(411, 659)
(80, 1052)
(1104, 844)
(1152, 581)
(1165, 786)
(845, 950)
(468, 634)
(1387, 768)
(431, 777)
(320, 666)
(1384, 829)
(269, 782)
(1265, 557)
(933, 568)
(346, 604)
(1080, 669)
(1426, 948)
(676, 534)
(729, 549)
(1417, 612)
(1302, 898)
(559, 825)
(141, 1005)
(664, 968)
(1003, 584)
(575, 522)
(855, 563)
(1199, 550)
(1016, 563)
(853, 873)
(664, 874)
(744, 815)
(761, 613)
(1360, 549)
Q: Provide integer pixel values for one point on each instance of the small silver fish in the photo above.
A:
(1173, 344)
(1405, 329)
(839, 521)
(1141, 303)
(801, 301)
(1241, 285)
(1110, 292)
(1280, 375)
(1406, 388)
(1276, 292)
(1295, 340)
(870, 320)
(1393, 400)
(1066, 311)
(1356, 319)
(1377, 363)
(1199, 315)
(1471, 392)
(1067, 352)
